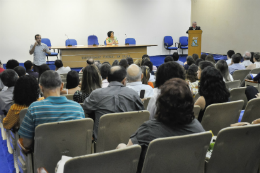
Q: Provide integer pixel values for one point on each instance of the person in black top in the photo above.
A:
(174, 117)
(29, 66)
(193, 27)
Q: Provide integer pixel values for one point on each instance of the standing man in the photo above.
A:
(194, 27)
(38, 50)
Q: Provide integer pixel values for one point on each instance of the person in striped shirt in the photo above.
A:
(53, 108)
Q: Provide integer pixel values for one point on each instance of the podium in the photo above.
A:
(194, 42)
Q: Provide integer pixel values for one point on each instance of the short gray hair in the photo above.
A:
(134, 78)
(50, 80)
(247, 56)
(194, 22)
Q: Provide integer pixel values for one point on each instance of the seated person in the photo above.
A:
(89, 62)
(146, 76)
(235, 64)
(90, 81)
(165, 72)
(195, 57)
(72, 84)
(11, 64)
(174, 117)
(1, 67)
(256, 59)
(138, 62)
(203, 56)
(42, 69)
(111, 39)
(222, 66)
(9, 78)
(150, 65)
(134, 81)
(176, 56)
(115, 63)
(247, 58)
(59, 67)
(123, 63)
(104, 70)
(212, 89)
(198, 61)
(115, 98)
(193, 79)
(29, 66)
(20, 71)
(210, 58)
(190, 61)
(168, 59)
(26, 91)
(53, 108)
(230, 53)
(145, 56)
(130, 60)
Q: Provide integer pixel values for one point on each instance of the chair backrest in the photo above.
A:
(22, 114)
(69, 96)
(146, 101)
(184, 41)
(252, 111)
(72, 42)
(240, 74)
(177, 154)
(52, 140)
(92, 39)
(130, 41)
(64, 75)
(121, 160)
(105, 43)
(196, 111)
(168, 40)
(233, 84)
(238, 94)
(46, 41)
(221, 115)
(117, 128)
(255, 71)
(236, 150)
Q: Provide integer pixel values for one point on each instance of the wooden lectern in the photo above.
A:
(194, 42)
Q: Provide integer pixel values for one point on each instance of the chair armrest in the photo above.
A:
(177, 44)
(251, 81)
(24, 150)
(166, 45)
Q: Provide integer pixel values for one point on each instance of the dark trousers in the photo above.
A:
(36, 68)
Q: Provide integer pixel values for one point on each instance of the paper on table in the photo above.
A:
(79, 45)
(61, 163)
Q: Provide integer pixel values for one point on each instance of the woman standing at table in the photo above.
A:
(111, 39)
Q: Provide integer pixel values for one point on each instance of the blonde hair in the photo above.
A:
(138, 62)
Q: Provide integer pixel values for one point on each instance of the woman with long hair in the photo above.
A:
(72, 83)
(193, 79)
(222, 66)
(146, 76)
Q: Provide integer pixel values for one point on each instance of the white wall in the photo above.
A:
(148, 21)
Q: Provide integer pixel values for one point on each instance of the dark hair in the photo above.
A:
(9, 77)
(36, 36)
(129, 60)
(230, 53)
(90, 61)
(252, 57)
(204, 64)
(72, 79)
(26, 90)
(109, 33)
(90, 79)
(145, 56)
(190, 60)
(115, 63)
(50, 79)
(11, 64)
(203, 56)
(175, 103)
(168, 59)
(210, 58)
(236, 58)
(222, 66)
(212, 86)
(116, 73)
(192, 73)
(149, 64)
(42, 69)
(195, 57)
(175, 56)
(123, 63)
(146, 74)
(257, 56)
(106, 63)
(198, 61)
(58, 63)
(104, 70)
(144, 60)
(167, 71)
(28, 65)
(20, 71)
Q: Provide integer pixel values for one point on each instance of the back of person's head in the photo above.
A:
(192, 73)
(123, 63)
(145, 56)
(28, 65)
(168, 59)
(195, 57)
(212, 86)
(222, 66)
(11, 64)
(146, 74)
(90, 79)
(247, 55)
(58, 63)
(20, 71)
(115, 63)
(129, 60)
(210, 58)
(257, 56)
(230, 53)
(236, 58)
(50, 80)
(138, 62)
(203, 56)
(116, 74)
(134, 73)
(167, 71)
(43, 68)
(204, 64)
(241, 57)
(106, 63)
(145, 60)
(190, 60)
(175, 56)
(72, 79)
(26, 90)
(9, 77)
(104, 70)
(149, 64)
(198, 61)
(175, 103)
(90, 61)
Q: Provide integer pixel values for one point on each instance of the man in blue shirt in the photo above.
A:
(235, 64)
(53, 109)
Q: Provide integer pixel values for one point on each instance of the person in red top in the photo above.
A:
(1, 67)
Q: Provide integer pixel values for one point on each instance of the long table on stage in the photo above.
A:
(76, 56)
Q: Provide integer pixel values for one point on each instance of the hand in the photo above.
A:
(36, 43)
(258, 95)
(44, 50)
(257, 121)
(122, 145)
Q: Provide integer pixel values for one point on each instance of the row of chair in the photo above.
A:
(182, 44)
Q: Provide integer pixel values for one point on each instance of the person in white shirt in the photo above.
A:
(247, 57)
(134, 81)
(60, 69)
(229, 55)
(150, 65)
(104, 70)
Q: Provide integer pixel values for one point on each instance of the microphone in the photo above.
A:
(126, 38)
(69, 40)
